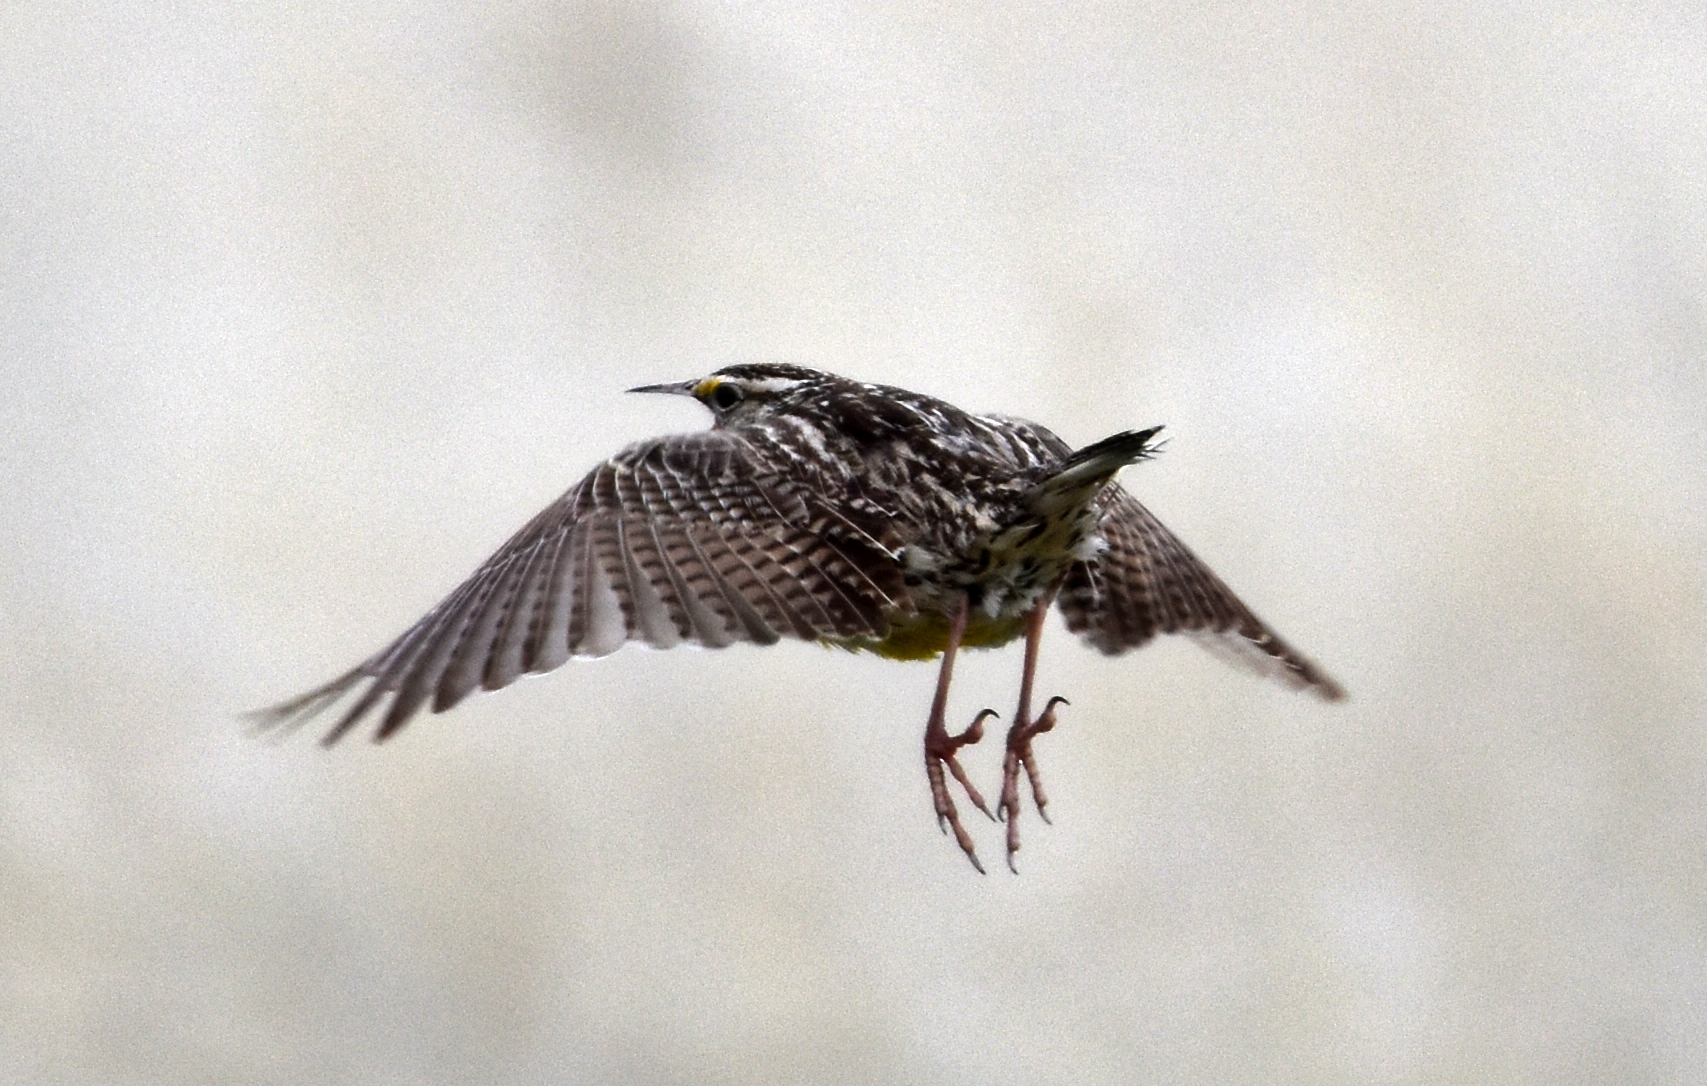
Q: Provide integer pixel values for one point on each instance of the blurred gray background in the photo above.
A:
(305, 308)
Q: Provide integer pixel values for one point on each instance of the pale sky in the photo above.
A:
(305, 308)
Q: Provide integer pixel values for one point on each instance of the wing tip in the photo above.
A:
(287, 716)
(1302, 672)
(1326, 689)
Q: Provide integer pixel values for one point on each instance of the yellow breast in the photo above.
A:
(924, 636)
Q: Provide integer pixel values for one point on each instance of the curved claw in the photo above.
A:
(1019, 754)
(975, 730)
(1046, 719)
(940, 751)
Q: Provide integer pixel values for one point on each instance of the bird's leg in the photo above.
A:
(1021, 733)
(940, 747)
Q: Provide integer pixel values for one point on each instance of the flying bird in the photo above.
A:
(824, 509)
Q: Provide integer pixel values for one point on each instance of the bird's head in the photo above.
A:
(737, 394)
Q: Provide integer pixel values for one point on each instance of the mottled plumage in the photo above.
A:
(822, 509)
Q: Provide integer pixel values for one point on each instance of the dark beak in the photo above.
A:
(680, 388)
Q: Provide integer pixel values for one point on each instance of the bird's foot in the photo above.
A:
(940, 750)
(1019, 754)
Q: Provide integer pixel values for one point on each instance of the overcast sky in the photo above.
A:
(304, 308)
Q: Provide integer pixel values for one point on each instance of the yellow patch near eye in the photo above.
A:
(705, 387)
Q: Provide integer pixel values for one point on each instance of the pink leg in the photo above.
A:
(1021, 733)
(940, 747)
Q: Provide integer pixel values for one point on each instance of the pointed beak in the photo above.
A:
(680, 388)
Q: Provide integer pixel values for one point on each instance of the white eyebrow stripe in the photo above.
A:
(765, 384)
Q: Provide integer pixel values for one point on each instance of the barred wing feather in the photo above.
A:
(689, 539)
(1147, 582)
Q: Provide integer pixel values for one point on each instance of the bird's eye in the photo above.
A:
(725, 396)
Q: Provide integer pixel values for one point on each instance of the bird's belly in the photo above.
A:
(1001, 577)
(924, 635)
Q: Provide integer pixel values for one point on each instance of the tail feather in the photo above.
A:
(1085, 472)
(1103, 458)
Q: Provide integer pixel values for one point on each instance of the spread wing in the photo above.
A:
(693, 538)
(1147, 583)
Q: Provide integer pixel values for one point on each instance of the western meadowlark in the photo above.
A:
(826, 510)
